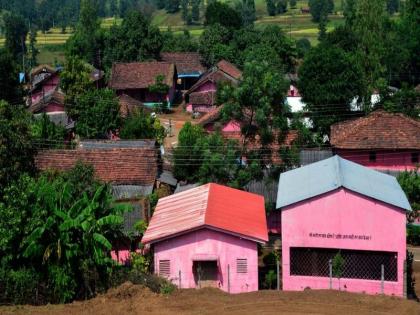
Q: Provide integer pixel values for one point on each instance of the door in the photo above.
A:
(206, 274)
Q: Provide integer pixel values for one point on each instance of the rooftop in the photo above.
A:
(185, 62)
(209, 206)
(333, 173)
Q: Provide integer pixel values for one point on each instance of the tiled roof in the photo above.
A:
(134, 166)
(211, 116)
(203, 98)
(129, 104)
(42, 69)
(210, 206)
(379, 130)
(140, 75)
(54, 96)
(222, 72)
(229, 69)
(185, 62)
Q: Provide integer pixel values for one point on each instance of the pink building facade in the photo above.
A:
(344, 220)
(233, 261)
(336, 208)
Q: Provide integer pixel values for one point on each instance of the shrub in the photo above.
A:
(270, 279)
(19, 286)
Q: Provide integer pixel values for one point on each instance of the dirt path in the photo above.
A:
(131, 299)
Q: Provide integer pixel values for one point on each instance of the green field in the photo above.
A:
(293, 23)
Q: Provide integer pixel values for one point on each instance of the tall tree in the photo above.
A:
(329, 80)
(195, 10)
(271, 7)
(319, 8)
(16, 31)
(172, 6)
(9, 80)
(248, 12)
(223, 14)
(349, 12)
(393, 6)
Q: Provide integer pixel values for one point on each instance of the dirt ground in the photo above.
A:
(133, 299)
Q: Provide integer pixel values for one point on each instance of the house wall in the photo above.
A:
(182, 249)
(232, 126)
(45, 87)
(385, 160)
(343, 212)
(54, 107)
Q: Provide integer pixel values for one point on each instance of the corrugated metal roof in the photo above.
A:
(335, 172)
(213, 206)
(167, 178)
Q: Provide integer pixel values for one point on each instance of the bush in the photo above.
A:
(19, 286)
(61, 284)
(270, 279)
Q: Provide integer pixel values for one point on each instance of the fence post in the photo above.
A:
(330, 272)
(228, 278)
(382, 278)
(278, 274)
(179, 279)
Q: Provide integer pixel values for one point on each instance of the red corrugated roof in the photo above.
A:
(213, 206)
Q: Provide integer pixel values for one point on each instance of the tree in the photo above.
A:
(173, 43)
(281, 6)
(195, 10)
(271, 7)
(337, 267)
(33, 51)
(98, 114)
(45, 132)
(172, 6)
(303, 45)
(17, 151)
(248, 12)
(184, 9)
(9, 80)
(15, 31)
(293, 3)
(320, 8)
(135, 40)
(161, 89)
(75, 80)
(349, 12)
(329, 80)
(223, 14)
(214, 44)
(410, 183)
(140, 125)
(392, 6)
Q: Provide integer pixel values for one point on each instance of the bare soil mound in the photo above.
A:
(130, 299)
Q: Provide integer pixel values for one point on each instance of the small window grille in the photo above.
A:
(241, 265)
(164, 268)
(414, 157)
(372, 156)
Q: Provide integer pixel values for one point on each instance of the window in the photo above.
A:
(164, 268)
(241, 265)
(372, 156)
(414, 157)
(358, 264)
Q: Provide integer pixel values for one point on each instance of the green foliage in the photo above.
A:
(320, 9)
(98, 113)
(134, 40)
(247, 9)
(172, 6)
(214, 44)
(270, 279)
(47, 133)
(167, 288)
(140, 125)
(413, 234)
(329, 80)
(271, 7)
(393, 6)
(16, 149)
(10, 90)
(179, 43)
(303, 45)
(410, 183)
(403, 101)
(141, 263)
(161, 89)
(221, 13)
(15, 31)
(337, 265)
(17, 286)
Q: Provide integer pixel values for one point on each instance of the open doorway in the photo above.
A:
(205, 274)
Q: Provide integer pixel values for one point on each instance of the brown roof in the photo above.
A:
(185, 62)
(128, 105)
(222, 72)
(140, 75)
(210, 117)
(43, 69)
(379, 130)
(55, 96)
(134, 166)
(203, 98)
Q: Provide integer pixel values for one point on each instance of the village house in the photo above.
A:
(188, 65)
(382, 140)
(134, 79)
(130, 167)
(44, 81)
(201, 97)
(207, 237)
(336, 206)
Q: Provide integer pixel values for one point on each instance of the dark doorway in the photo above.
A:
(205, 274)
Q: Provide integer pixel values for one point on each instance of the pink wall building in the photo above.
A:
(207, 237)
(381, 140)
(337, 206)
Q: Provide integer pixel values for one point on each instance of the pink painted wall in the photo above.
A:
(343, 212)
(232, 126)
(385, 160)
(182, 249)
(46, 87)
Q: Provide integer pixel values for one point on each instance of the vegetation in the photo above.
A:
(140, 125)
(410, 183)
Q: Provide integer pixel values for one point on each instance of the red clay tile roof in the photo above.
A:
(229, 69)
(223, 72)
(128, 105)
(211, 206)
(203, 98)
(55, 96)
(42, 69)
(185, 62)
(140, 75)
(135, 166)
(379, 130)
(211, 116)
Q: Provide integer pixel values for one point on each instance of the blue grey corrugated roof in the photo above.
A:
(335, 172)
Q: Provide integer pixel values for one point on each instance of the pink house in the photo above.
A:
(337, 206)
(381, 140)
(207, 237)
(201, 97)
